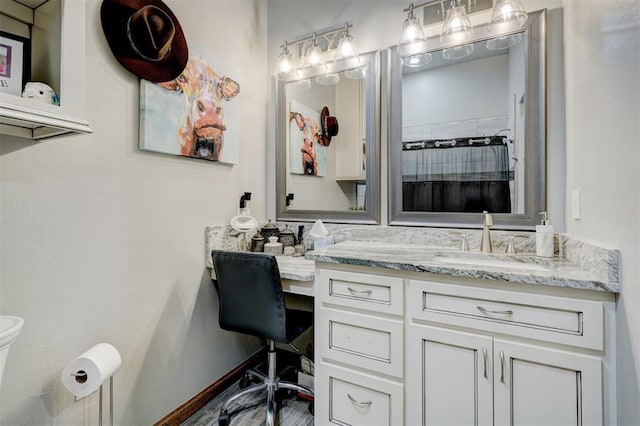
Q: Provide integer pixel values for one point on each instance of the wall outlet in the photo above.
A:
(576, 204)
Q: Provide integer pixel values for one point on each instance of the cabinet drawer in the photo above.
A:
(357, 399)
(377, 293)
(556, 319)
(361, 340)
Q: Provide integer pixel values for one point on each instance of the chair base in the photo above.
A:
(270, 383)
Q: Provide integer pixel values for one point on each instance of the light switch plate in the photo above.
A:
(576, 204)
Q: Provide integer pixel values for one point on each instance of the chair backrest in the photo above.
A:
(251, 298)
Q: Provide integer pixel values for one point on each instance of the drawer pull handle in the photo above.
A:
(355, 401)
(365, 292)
(502, 366)
(489, 311)
(484, 352)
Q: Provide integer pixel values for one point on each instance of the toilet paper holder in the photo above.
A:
(81, 377)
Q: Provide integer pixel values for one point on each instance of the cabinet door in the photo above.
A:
(540, 386)
(448, 377)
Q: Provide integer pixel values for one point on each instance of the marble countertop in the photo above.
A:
(296, 268)
(526, 268)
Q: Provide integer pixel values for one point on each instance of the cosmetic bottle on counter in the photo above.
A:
(544, 237)
(273, 246)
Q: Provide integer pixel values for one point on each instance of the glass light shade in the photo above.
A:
(505, 42)
(412, 39)
(507, 15)
(346, 50)
(285, 65)
(356, 74)
(328, 79)
(457, 27)
(416, 61)
(313, 58)
(458, 52)
(301, 85)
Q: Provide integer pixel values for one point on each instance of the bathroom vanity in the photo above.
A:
(416, 335)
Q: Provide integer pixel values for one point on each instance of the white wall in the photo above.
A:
(602, 57)
(467, 91)
(103, 242)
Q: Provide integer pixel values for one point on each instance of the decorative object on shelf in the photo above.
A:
(311, 53)
(273, 246)
(329, 126)
(15, 63)
(192, 115)
(244, 224)
(257, 242)
(40, 92)
(287, 237)
(308, 154)
(270, 230)
(145, 37)
(457, 31)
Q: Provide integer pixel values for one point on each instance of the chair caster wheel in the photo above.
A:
(245, 381)
(310, 408)
(223, 419)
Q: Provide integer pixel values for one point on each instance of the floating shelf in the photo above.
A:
(21, 118)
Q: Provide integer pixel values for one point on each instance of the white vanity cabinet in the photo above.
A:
(409, 348)
(488, 356)
(359, 348)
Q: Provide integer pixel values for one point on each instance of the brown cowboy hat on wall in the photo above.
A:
(329, 126)
(145, 37)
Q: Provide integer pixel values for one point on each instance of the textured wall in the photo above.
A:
(602, 56)
(103, 242)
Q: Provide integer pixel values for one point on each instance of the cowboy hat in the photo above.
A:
(329, 126)
(145, 37)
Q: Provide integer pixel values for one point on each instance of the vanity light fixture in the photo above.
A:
(313, 50)
(508, 15)
(457, 31)
(313, 57)
(285, 62)
(412, 38)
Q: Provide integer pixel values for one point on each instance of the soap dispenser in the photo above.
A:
(544, 237)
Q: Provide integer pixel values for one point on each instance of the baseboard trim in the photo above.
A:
(189, 408)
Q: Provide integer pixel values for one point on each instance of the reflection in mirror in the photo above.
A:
(327, 162)
(460, 154)
(467, 135)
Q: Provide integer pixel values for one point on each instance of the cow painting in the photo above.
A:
(204, 92)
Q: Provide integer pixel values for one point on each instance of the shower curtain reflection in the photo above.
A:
(456, 176)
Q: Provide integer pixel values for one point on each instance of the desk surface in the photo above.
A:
(296, 268)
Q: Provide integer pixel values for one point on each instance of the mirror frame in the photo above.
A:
(371, 212)
(535, 138)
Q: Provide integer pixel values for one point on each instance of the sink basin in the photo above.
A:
(491, 263)
(10, 327)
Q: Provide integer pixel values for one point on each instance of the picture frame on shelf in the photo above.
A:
(15, 63)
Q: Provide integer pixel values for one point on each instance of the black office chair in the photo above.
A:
(252, 302)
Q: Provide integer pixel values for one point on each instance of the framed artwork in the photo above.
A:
(196, 115)
(15, 63)
(308, 156)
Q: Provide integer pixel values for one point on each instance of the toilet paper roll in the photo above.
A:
(84, 375)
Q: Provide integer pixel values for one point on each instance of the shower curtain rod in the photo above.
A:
(455, 142)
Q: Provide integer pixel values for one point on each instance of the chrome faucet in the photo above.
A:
(485, 242)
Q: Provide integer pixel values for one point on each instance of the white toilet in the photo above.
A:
(10, 327)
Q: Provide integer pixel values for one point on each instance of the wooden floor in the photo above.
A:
(251, 410)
